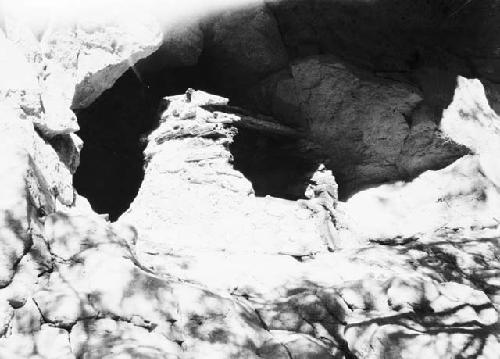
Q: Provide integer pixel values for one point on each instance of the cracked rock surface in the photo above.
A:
(237, 245)
(174, 278)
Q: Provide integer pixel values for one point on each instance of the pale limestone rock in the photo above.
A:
(189, 151)
(477, 306)
(26, 282)
(302, 346)
(55, 176)
(27, 319)
(22, 31)
(99, 281)
(310, 300)
(58, 119)
(19, 87)
(107, 338)
(15, 148)
(421, 311)
(43, 100)
(75, 60)
(392, 341)
(464, 194)
(411, 293)
(456, 196)
(191, 282)
(6, 316)
(59, 48)
(88, 229)
(470, 121)
(44, 342)
(54, 343)
(107, 48)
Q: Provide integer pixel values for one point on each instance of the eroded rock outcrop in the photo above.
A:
(372, 129)
(236, 244)
(76, 59)
(464, 194)
(470, 121)
(223, 273)
(207, 198)
(304, 301)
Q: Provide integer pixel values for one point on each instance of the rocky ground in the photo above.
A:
(237, 244)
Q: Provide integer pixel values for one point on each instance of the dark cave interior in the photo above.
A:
(110, 170)
(275, 165)
(113, 129)
(426, 44)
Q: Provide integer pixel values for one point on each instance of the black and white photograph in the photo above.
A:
(249, 179)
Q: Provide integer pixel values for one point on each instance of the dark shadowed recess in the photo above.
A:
(410, 40)
(113, 129)
(277, 166)
(426, 43)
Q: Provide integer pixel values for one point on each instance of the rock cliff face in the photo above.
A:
(330, 189)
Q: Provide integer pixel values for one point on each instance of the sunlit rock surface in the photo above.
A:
(237, 245)
(471, 121)
(191, 190)
(75, 59)
(464, 194)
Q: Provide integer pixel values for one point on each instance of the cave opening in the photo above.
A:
(432, 45)
(278, 166)
(115, 126)
(113, 129)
